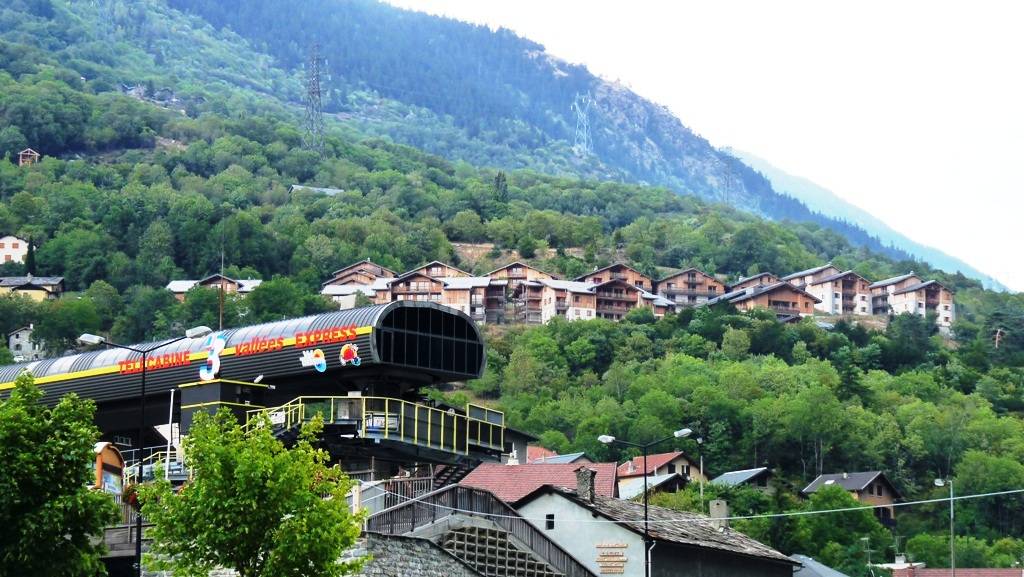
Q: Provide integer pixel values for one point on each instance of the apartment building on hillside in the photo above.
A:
(910, 294)
(620, 272)
(690, 287)
(840, 292)
(214, 281)
(786, 300)
(759, 279)
(13, 249)
(363, 272)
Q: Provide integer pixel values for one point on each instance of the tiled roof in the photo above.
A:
(751, 292)
(568, 285)
(893, 280)
(654, 462)
(751, 277)
(522, 264)
(613, 265)
(733, 478)
(465, 282)
(812, 568)
(676, 527)
(684, 271)
(534, 452)
(510, 483)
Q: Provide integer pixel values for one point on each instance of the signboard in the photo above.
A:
(379, 422)
(611, 558)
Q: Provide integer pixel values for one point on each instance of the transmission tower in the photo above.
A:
(314, 138)
(582, 145)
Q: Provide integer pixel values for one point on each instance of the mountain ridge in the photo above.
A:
(825, 201)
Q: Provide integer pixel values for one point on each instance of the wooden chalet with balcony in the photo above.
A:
(619, 272)
(786, 300)
(690, 287)
(759, 279)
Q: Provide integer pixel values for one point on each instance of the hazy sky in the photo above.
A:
(911, 110)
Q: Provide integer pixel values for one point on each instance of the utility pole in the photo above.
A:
(314, 138)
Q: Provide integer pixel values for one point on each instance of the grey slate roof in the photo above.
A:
(812, 568)
(814, 270)
(675, 527)
(837, 276)
(634, 486)
(751, 292)
(733, 478)
(560, 459)
(893, 280)
(849, 481)
(40, 281)
(918, 286)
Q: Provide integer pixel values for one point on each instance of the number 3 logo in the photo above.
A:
(214, 346)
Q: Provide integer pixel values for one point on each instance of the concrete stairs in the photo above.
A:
(493, 554)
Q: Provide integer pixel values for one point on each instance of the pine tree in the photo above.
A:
(30, 258)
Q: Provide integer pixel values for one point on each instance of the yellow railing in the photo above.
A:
(133, 472)
(395, 419)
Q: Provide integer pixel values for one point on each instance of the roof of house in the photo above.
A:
(684, 271)
(634, 486)
(811, 568)
(556, 459)
(522, 264)
(670, 526)
(534, 452)
(755, 291)
(849, 481)
(510, 483)
(29, 151)
(568, 285)
(40, 281)
(464, 282)
(611, 266)
(355, 265)
(335, 290)
(733, 478)
(892, 280)
(803, 273)
(244, 284)
(437, 262)
(837, 276)
(742, 280)
(919, 286)
(654, 462)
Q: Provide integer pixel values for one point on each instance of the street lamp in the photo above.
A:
(89, 339)
(952, 534)
(608, 440)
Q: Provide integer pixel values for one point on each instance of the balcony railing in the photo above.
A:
(395, 420)
(681, 291)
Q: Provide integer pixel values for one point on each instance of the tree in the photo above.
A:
(50, 515)
(30, 257)
(735, 344)
(253, 506)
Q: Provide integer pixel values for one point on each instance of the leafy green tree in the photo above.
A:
(62, 321)
(51, 518)
(735, 344)
(253, 506)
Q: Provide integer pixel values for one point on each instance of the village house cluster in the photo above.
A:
(520, 293)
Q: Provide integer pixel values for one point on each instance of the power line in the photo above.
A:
(733, 518)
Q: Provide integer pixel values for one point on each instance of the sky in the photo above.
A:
(911, 110)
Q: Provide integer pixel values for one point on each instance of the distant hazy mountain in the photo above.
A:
(823, 200)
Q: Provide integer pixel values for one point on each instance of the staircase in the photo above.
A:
(445, 475)
(492, 554)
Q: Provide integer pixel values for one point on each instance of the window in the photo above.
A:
(590, 313)
(712, 289)
(686, 470)
(549, 521)
(17, 347)
(835, 295)
(863, 297)
(14, 245)
(639, 283)
(945, 307)
(863, 309)
(2, 245)
(7, 258)
(671, 468)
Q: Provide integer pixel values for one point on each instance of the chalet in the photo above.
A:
(690, 287)
(810, 276)
(28, 157)
(214, 281)
(910, 294)
(363, 272)
(696, 546)
(759, 279)
(21, 345)
(842, 293)
(37, 288)
(617, 297)
(620, 272)
(870, 487)
(509, 284)
(783, 298)
(467, 294)
(661, 464)
(511, 483)
(758, 478)
(518, 271)
(13, 249)
(572, 300)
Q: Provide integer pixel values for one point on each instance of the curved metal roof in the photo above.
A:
(392, 318)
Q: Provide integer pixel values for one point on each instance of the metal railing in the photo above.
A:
(457, 499)
(395, 419)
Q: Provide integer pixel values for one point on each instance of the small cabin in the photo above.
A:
(28, 157)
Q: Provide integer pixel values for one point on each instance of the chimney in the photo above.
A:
(585, 483)
(719, 513)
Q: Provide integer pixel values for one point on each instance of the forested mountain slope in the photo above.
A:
(495, 99)
(825, 201)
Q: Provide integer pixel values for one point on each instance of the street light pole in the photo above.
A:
(607, 440)
(952, 530)
(89, 339)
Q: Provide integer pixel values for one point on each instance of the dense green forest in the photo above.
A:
(135, 191)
